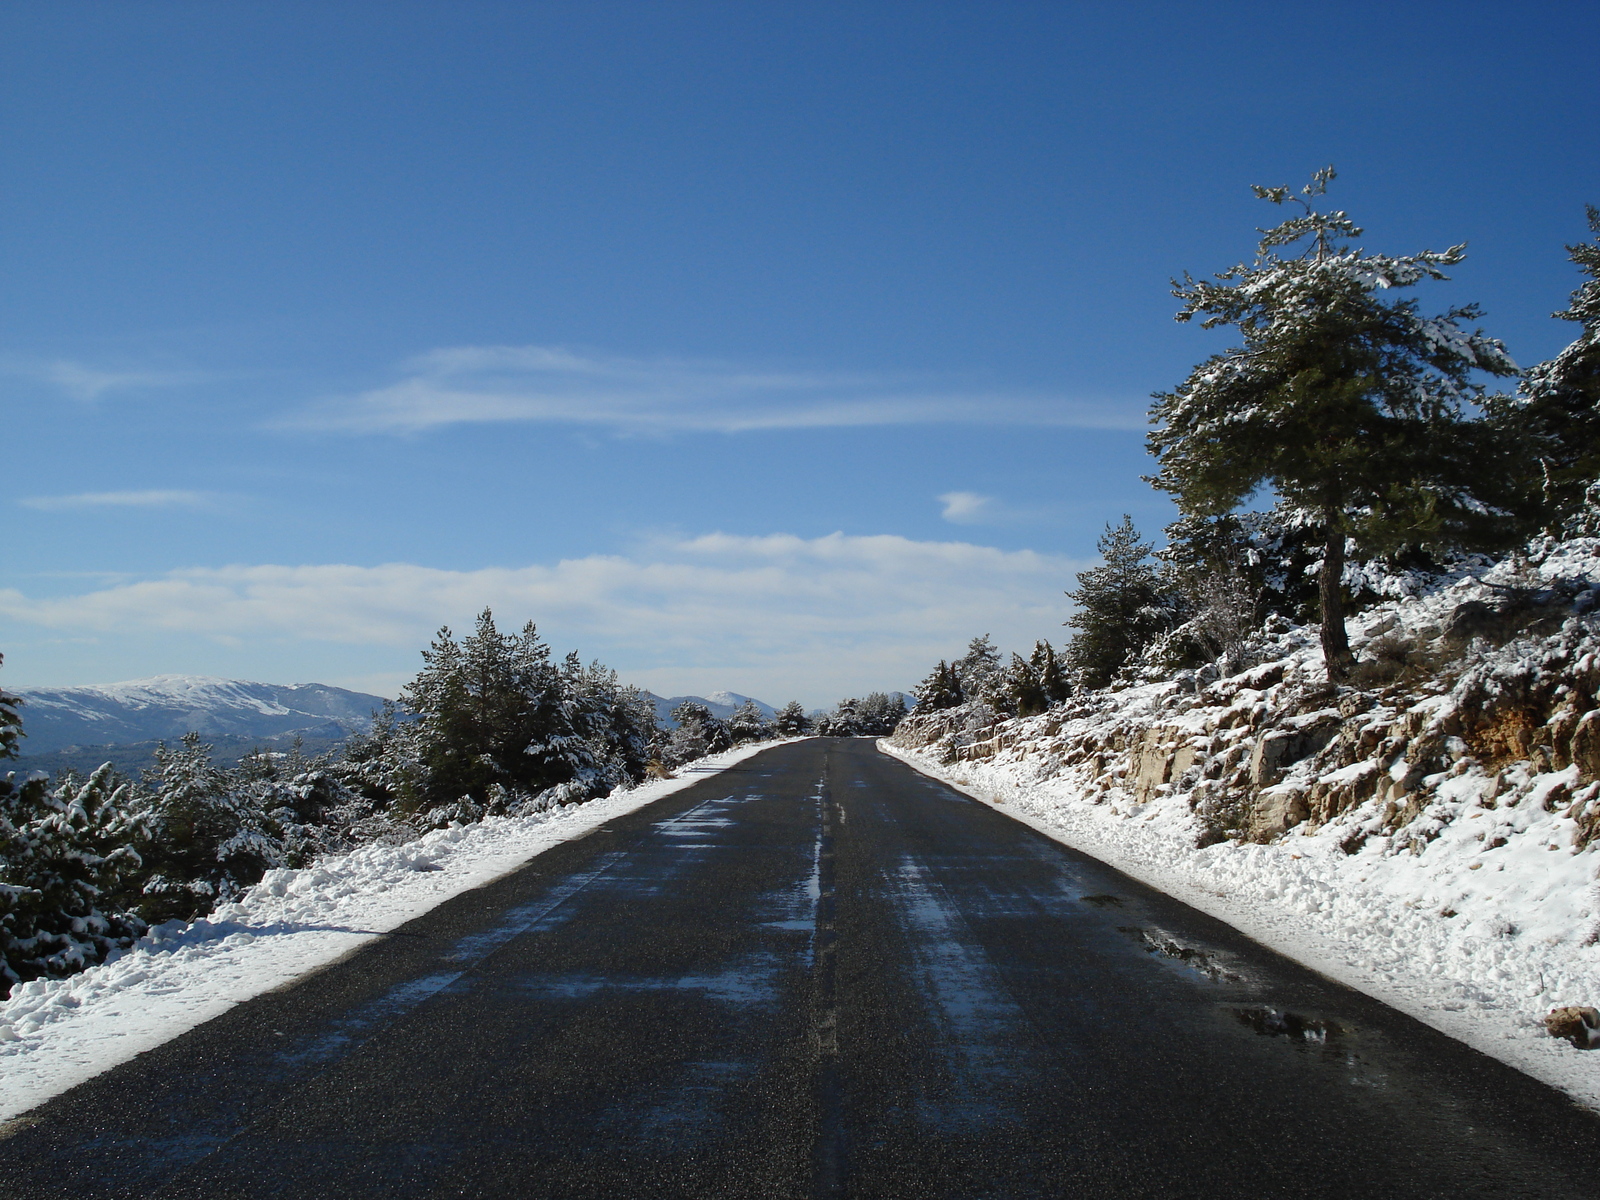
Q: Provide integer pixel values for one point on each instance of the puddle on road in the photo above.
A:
(1205, 963)
(1272, 1022)
(1318, 1039)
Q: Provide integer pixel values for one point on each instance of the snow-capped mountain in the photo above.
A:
(168, 706)
(721, 704)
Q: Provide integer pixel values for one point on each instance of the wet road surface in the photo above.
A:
(816, 974)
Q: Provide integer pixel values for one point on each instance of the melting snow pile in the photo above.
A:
(55, 1033)
(1429, 833)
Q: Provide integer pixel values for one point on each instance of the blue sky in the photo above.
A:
(775, 347)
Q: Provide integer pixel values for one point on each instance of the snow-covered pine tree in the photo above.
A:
(492, 715)
(892, 713)
(209, 837)
(717, 734)
(791, 720)
(1351, 408)
(10, 722)
(623, 718)
(1053, 681)
(1558, 403)
(843, 721)
(580, 751)
(692, 738)
(977, 668)
(879, 713)
(748, 724)
(67, 866)
(1122, 605)
(870, 712)
(384, 767)
(69, 873)
(1023, 694)
(941, 689)
(309, 803)
(1264, 551)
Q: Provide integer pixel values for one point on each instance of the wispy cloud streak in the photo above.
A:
(481, 384)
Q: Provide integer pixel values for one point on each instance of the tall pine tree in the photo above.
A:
(1559, 401)
(978, 668)
(941, 689)
(1121, 607)
(1351, 408)
(1054, 685)
(492, 716)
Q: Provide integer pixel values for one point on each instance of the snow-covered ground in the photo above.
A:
(1476, 939)
(57, 1033)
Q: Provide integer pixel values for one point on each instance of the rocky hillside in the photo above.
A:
(1482, 688)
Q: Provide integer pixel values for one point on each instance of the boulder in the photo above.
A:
(1277, 811)
(1585, 746)
(1279, 749)
(1578, 1024)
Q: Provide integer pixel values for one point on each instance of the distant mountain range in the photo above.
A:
(169, 706)
(77, 728)
(721, 704)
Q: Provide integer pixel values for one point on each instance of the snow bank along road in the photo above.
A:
(55, 1033)
(815, 974)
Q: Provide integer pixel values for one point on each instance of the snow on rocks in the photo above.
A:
(56, 1033)
(1428, 833)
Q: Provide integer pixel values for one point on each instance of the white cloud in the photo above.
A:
(773, 616)
(974, 508)
(146, 499)
(967, 508)
(481, 384)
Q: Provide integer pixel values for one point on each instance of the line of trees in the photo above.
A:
(874, 715)
(493, 724)
(1368, 425)
(1020, 687)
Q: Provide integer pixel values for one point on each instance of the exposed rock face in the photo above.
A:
(1497, 681)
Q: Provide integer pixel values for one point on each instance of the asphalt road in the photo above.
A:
(817, 974)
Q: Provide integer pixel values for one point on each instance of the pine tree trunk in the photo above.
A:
(1335, 642)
